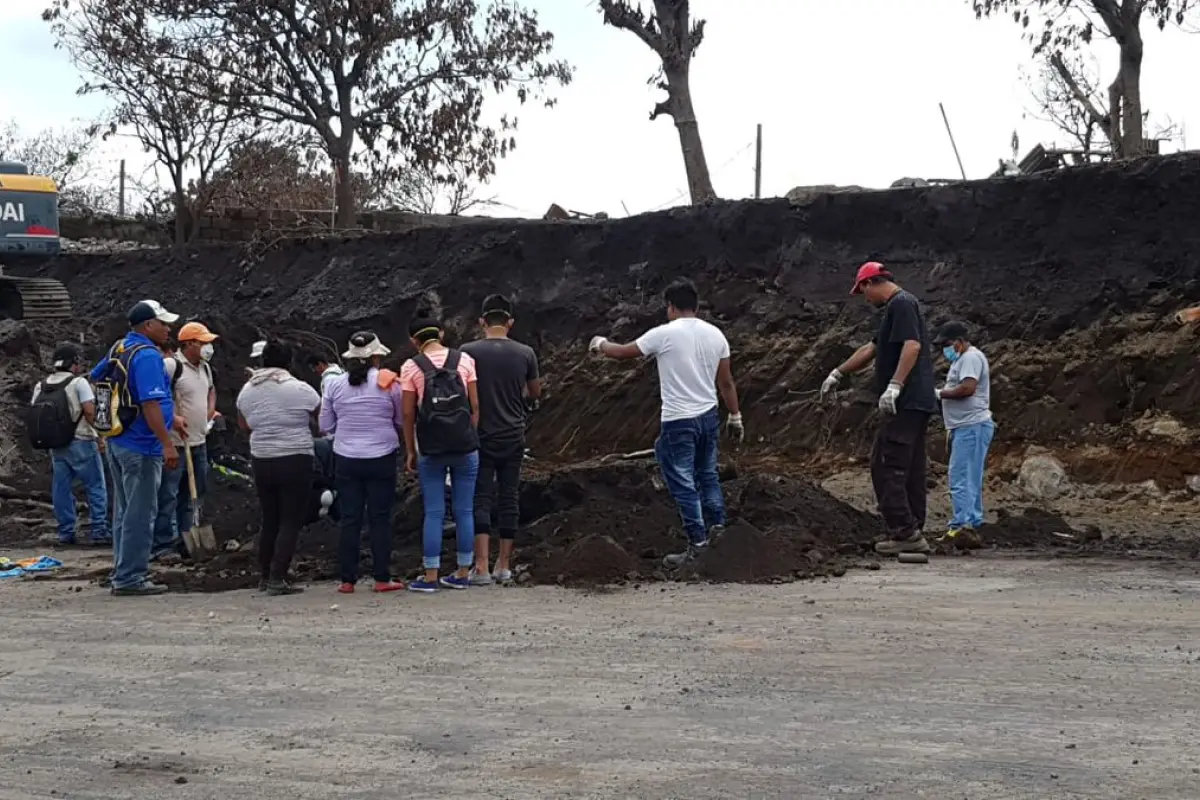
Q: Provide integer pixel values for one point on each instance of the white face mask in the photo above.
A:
(206, 352)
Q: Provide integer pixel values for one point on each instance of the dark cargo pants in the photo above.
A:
(898, 472)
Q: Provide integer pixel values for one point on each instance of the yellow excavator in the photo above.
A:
(29, 233)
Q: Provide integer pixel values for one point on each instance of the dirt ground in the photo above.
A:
(984, 678)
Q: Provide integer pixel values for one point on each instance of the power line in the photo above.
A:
(711, 173)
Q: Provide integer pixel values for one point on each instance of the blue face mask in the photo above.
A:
(950, 353)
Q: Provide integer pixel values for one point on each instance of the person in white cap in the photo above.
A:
(362, 410)
(256, 354)
(139, 452)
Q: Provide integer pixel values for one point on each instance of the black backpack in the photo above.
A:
(48, 422)
(444, 416)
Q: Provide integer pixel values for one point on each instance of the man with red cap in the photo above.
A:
(904, 380)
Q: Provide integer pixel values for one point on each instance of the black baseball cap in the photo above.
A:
(950, 332)
(497, 304)
(67, 356)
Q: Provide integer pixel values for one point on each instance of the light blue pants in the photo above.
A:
(968, 454)
(464, 471)
(135, 487)
(80, 461)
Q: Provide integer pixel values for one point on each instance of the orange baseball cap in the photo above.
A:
(196, 332)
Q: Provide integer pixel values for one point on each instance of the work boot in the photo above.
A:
(693, 552)
(278, 588)
(913, 544)
(954, 531)
(141, 590)
(715, 532)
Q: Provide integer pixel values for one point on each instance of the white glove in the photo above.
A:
(596, 343)
(937, 393)
(735, 428)
(887, 400)
(831, 382)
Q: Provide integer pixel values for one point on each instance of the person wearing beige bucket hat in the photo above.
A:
(362, 410)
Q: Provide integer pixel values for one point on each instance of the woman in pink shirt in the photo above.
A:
(362, 411)
(441, 414)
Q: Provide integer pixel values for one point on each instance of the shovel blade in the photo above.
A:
(201, 542)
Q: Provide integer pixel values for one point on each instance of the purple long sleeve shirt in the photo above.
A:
(364, 420)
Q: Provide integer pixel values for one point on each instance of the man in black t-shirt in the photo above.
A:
(508, 379)
(904, 382)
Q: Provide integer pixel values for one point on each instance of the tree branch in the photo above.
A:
(618, 14)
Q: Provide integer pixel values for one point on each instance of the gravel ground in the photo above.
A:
(964, 678)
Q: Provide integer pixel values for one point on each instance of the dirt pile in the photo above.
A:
(616, 522)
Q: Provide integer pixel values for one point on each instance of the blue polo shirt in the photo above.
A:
(147, 381)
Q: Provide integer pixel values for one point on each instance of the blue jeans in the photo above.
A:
(464, 471)
(135, 487)
(687, 452)
(80, 461)
(968, 453)
(175, 500)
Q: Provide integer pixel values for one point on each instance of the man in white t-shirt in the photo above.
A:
(80, 460)
(195, 393)
(693, 364)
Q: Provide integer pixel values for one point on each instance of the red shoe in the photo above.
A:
(346, 588)
(389, 586)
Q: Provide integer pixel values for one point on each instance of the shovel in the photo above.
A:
(200, 541)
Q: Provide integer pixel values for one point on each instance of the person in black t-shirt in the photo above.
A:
(508, 379)
(904, 381)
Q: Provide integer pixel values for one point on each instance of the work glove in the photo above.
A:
(831, 382)
(596, 343)
(734, 428)
(887, 400)
(938, 393)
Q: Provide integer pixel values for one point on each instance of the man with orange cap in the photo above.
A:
(195, 395)
(904, 381)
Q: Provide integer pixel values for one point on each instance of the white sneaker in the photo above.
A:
(502, 575)
(326, 502)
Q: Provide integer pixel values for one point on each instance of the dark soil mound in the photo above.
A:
(616, 522)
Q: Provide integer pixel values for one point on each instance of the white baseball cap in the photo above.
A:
(256, 349)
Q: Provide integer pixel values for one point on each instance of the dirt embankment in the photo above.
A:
(1069, 278)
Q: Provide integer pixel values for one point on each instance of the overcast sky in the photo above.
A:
(847, 93)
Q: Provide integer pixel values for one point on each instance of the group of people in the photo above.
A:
(458, 416)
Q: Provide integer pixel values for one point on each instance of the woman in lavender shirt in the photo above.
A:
(362, 410)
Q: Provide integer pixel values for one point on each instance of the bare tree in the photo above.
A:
(1067, 97)
(377, 81)
(422, 190)
(1065, 26)
(669, 32)
(190, 135)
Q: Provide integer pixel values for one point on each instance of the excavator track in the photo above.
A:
(33, 298)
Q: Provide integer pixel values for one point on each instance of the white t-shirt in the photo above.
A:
(191, 398)
(78, 393)
(278, 408)
(688, 352)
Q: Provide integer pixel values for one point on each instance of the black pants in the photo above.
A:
(898, 472)
(498, 487)
(281, 483)
(366, 490)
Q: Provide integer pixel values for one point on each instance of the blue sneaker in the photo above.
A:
(422, 585)
(455, 582)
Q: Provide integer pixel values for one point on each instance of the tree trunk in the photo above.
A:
(699, 181)
(1133, 137)
(182, 212)
(346, 215)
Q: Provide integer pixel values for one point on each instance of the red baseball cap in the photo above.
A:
(871, 269)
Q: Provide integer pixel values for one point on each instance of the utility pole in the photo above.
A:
(758, 164)
(121, 191)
